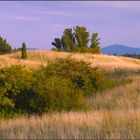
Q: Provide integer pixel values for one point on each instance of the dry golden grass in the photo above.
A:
(115, 113)
(36, 58)
(84, 125)
(122, 97)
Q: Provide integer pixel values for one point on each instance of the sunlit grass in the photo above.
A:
(107, 62)
(75, 125)
(122, 97)
(114, 113)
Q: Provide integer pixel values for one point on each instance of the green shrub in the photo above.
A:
(119, 77)
(61, 86)
(56, 94)
(13, 81)
(23, 91)
(80, 73)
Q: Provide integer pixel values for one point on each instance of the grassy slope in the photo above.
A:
(36, 58)
(115, 113)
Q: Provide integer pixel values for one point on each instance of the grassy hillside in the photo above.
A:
(114, 113)
(42, 57)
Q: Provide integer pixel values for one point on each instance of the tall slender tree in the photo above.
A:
(95, 41)
(69, 40)
(24, 51)
(82, 36)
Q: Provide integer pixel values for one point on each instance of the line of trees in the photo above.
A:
(132, 55)
(77, 40)
(6, 48)
(73, 40)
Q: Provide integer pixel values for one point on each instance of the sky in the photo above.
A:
(38, 22)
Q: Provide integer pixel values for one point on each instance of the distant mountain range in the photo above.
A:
(120, 50)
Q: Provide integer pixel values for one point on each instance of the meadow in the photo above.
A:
(36, 58)
(114, 113)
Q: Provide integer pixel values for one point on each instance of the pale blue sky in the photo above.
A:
(38, 23)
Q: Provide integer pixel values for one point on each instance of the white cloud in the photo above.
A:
(25, 18)
(60, 13)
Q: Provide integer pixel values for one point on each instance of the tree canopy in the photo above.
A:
(4, 46)
(77, 40)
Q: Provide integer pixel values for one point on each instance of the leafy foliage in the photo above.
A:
(61, 86)
(95, 42)
(68, 40)
(57, 43)
(79, 73)
(82, 36)
(4, 46)
(77, 41)
(13, 82)
(56, 94)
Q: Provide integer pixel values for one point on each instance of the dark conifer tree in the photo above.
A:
(4, 46)
(24, 51)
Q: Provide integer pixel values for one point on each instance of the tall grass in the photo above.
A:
(122, 97)
(115, 115)
(83, 125)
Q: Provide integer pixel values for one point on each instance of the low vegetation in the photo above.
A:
(61, 86)
(81, 110)
(34, 91)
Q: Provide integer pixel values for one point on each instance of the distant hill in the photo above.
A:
(32, 49)
(120, 50)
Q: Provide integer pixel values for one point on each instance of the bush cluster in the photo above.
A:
(61, 86)
(88, 79)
